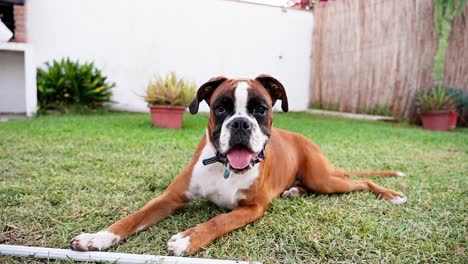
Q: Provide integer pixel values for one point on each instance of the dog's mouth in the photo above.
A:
(240, 157)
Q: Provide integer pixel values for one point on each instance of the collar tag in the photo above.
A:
(227, 172)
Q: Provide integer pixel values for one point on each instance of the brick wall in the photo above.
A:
(19, 13)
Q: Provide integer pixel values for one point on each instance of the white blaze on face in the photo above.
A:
(242, 96)
(257, 139)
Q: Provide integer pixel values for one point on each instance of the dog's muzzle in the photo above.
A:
(221, 158)
(239, 157)
(240, 130)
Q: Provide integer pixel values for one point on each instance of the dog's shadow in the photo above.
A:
(200, 210)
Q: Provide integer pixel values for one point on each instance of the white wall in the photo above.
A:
(12, 82)
(18, 91)
(134, 40)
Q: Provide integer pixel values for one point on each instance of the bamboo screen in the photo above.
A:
(372, 54)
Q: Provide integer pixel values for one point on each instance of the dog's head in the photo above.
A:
(241, 116)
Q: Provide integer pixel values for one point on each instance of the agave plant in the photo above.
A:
(170, 91)
(66, 84)
(436, 99)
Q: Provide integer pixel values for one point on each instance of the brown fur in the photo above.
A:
(289, 158)
(300, 157)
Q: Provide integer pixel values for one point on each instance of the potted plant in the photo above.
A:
(460, 97)
(438, 109)
(167, 99)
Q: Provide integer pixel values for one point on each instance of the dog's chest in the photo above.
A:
(208, 182)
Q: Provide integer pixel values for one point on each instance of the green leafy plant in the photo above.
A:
(66, 84)
(444, 13)
(435, 99)
(440, 97)
(460, 98)
(170, 90)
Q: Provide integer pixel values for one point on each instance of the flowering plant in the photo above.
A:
(304, 4)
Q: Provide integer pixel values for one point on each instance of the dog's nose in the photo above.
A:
(240, 124)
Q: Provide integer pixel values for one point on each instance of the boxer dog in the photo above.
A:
(242, 163)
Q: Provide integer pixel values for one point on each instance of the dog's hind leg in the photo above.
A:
(337, 182)
(317, 174)
(373, 173)
(294, 191)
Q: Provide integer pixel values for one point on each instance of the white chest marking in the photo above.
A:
(208, 182)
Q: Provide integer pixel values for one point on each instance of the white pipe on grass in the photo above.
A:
(66, 254)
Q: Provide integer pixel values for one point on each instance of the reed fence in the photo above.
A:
(373, 56)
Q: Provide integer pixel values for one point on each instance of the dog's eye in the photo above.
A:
(260, 110)
(220, 110)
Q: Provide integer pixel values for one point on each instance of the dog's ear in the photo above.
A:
(204, 92)
(275, 89)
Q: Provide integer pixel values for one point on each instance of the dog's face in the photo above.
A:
(241, 116)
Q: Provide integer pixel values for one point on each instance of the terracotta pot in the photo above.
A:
(437, 120)
(167, 116)
(453, 120)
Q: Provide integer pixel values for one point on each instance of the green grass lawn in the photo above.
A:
(61, 175)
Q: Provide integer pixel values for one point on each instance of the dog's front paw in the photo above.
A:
(178, 244)
(94, 242)
(399, 200)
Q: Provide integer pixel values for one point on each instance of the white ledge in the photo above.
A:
(98, 256)
(14, 46)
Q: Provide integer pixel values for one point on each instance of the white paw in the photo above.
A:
(291, 192)
(94, 242)
(399, 200)
(400, 174)
(178, 244)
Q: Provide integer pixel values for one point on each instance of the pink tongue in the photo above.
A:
(239, 158)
